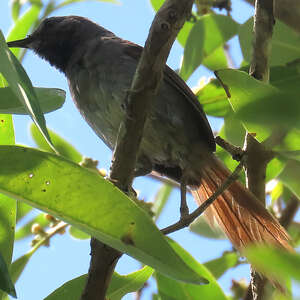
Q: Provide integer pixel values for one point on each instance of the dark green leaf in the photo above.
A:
(78, 234)
(49, 99)
(172, 289)
(23, 25)
(285, 43)
(209, 33)
(120, 285)
(21, 85)
(63, 147)
(220, 265)
(161, 199)
(277, 263)
(201, 227)
(6, 284)
(68, 191)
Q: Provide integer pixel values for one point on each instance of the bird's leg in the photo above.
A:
(184, 209)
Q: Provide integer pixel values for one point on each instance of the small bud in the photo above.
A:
(36, 228)
(50, 218)
(102, 172)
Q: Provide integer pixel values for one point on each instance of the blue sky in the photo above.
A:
(67, 258)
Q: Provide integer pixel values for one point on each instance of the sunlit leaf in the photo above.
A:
(120, 285)
(209, 33)
(68, 2)
(78, 234)
(285, 43)
(21, 85)
(59, 187)
(161, 198)
(63, 147)
(49, 99)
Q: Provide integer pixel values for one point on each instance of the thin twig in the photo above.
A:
(184, 222)
(236, 152)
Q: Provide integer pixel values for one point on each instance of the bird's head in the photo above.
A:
(57, 38)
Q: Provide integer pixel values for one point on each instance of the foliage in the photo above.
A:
(37, 178)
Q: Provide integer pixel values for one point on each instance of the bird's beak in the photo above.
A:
(24, 43)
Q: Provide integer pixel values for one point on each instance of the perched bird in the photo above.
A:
(177, 140)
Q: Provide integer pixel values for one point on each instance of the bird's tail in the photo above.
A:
(238, 212)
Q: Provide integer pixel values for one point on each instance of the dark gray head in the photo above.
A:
(57, 38)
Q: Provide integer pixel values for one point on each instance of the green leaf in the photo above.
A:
(6, 284)
(25, 230)
(63, 147)
(290, 176)
(68, 2)
(201, 227)
(213, 99)
(23, 25)
(22, 210)
(49, 99)
(286, 264)
(262, 107)
(172, 289)
(216, 60)
(220, 265)
(285, 43)
(78, 234)
(18, 266)
(21, 85)
(120, 285)
(156, 4)
(209, 33)
(160, 200)
(94, 205)
(15, 9)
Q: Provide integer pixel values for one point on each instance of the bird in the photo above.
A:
(177, 142)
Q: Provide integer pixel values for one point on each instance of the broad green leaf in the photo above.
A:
(18, 266)
(184, 32)
(68, 2)
(216, 60)
(94, 205)
(220, 265)
(285, 43)
(290, 176)
(23, 25)
(274, 168)
(21, 85)
(261, 107)
(201, 227)
(6, 283)
(120, 285)
(161, 198)
(277, 263)
(172, 289)
(49, 99)
(15, 9)
(156, 4)
(25, 230)
(209, 33)
(63, 147)
(78, 234)
(22, 210)
(213, 99)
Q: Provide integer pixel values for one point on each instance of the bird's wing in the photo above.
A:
(173, 79)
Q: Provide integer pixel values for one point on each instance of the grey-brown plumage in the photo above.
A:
(177, 137)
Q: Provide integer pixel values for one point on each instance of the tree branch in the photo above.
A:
(166, 24)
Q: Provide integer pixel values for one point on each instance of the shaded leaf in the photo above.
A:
(63, 147)
(23, 25)
(49, 99)
(209, 33)
(285, 43)
(161, 198)
(22, 210)
(216, 60)
(21, 85)
(220, 265)
(6, 283)
(18, 266)
(201, 227)
(59, 187)
(120, 285)
(172, 289)
(287, 264)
